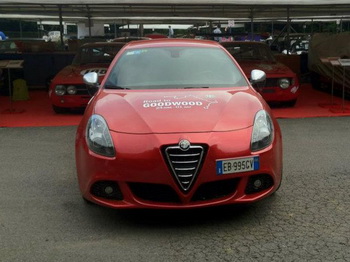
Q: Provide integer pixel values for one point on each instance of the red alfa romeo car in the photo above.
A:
(176, 124)
(281, 85)
(67, 88)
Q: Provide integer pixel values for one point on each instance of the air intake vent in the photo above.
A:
(184, 165)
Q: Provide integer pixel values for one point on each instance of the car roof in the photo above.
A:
(242, 43)
(130, 38)
(164, 42)
(101, 44)
(14, 39)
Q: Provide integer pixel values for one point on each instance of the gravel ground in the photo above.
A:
(43, 217)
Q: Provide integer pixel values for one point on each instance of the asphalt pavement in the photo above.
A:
(43, 218)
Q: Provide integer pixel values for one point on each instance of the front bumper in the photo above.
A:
(70, 101)
(144, 180)
(278, 94)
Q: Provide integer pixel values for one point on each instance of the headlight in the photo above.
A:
(60, 90)
(72, 90)
(284, 83)
(98, 137)
(262, 135)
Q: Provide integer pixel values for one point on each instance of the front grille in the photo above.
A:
(154, 192)
(270, 82)
(184, 165)
(216, 189)
(82, 90)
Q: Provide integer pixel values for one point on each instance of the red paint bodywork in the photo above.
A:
(273, 70)
(139, 131)
(71, 75)
(156, 36)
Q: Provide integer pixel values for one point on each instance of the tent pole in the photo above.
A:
(341, 25)
(141, 30)
(61, 26)
(252, 24)
(115, 30)
(20, 29)
(210, 27)
(275, 39)
(288, 31)
(272, 30)
(39, 27)
(89, 19)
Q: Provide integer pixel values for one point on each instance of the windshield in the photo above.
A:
(174, 67)
(254, 52)
(95, 55)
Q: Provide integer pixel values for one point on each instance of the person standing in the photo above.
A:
(217, 31)
(171, 32)
(2, 36)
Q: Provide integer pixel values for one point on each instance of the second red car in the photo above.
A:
(67, 88)
(281, 85)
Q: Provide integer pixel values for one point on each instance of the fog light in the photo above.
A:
(109, 190)
(257, 183)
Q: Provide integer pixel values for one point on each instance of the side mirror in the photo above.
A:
(257, 76)
(91, 81)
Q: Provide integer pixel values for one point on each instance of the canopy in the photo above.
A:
(179, 2)
(170, 11)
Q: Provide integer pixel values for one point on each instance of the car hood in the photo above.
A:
(73, 74)
(186, 111)
(271, 69)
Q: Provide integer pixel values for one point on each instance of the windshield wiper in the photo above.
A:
(116, 87)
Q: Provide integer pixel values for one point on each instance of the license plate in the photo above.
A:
(237, 165)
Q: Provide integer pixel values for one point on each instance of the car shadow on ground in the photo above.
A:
(181, 218)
